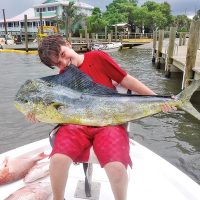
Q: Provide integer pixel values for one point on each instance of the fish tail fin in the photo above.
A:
(188, 107)
(185, 96)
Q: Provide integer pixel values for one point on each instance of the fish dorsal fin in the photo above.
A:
(75, 79)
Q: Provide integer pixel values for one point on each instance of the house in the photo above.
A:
(50, 9)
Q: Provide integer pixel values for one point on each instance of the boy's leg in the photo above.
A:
(59, 168)
(111, 145)
(118, 178)
(69, 144)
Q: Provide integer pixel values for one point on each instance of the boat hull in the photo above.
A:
(150, 178)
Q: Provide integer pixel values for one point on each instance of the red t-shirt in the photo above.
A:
(102, 68)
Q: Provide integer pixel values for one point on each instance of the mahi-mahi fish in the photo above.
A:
(72, 97)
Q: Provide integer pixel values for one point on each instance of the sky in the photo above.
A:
(15, 7)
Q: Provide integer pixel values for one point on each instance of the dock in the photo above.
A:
(80, 44)
(180, 54)
(179, 57)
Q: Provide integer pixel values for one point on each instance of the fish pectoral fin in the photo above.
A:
(188, 107)
(56, 105)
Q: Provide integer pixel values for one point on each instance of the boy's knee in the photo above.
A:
(60, 159)
(116, 170)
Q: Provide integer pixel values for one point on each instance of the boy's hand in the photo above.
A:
(31, 117)
(167, 108)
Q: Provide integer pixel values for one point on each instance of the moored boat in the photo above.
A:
(109, 47)
(151, 177)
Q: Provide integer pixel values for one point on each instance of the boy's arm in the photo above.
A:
(131, 83)
(135, 85)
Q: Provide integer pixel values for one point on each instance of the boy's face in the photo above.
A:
(65, 57)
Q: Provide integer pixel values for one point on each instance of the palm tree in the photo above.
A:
(197, 16)
(68, 14)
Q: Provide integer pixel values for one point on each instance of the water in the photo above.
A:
(174, 136)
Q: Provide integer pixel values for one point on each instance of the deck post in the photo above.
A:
(26, 33)
(111, 34)
(170, 51)
(88, 41)
(81, 37)
(184, 38)
(115, 33)
(106, 32)
(93, 37)
(180, 39)
(97, 36)
(154, 46)
(85, 28)
(109, 37)
(70, 37)
(191, 53)
(160, 46)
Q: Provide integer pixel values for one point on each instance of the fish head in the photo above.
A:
(32, 97)
(39, 97)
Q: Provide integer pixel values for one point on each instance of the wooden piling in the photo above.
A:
(154, 46)
(199, 43)
(191, 53)
(5, 26)
(160, 46)
(26, 33)
(170, 51)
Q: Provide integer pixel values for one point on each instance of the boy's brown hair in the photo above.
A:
(49, 49)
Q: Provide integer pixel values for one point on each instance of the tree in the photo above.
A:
(140, 16)
(68, 14)
(151, 6)
(182, 22)
(159, 15)
(120, 11)
(165, 9)
(95, 22)
(197, 16)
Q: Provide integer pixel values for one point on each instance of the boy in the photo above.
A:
(72, 142)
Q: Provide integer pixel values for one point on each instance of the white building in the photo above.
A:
(51, 9)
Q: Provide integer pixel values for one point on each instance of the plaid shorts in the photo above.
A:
(110, 143)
